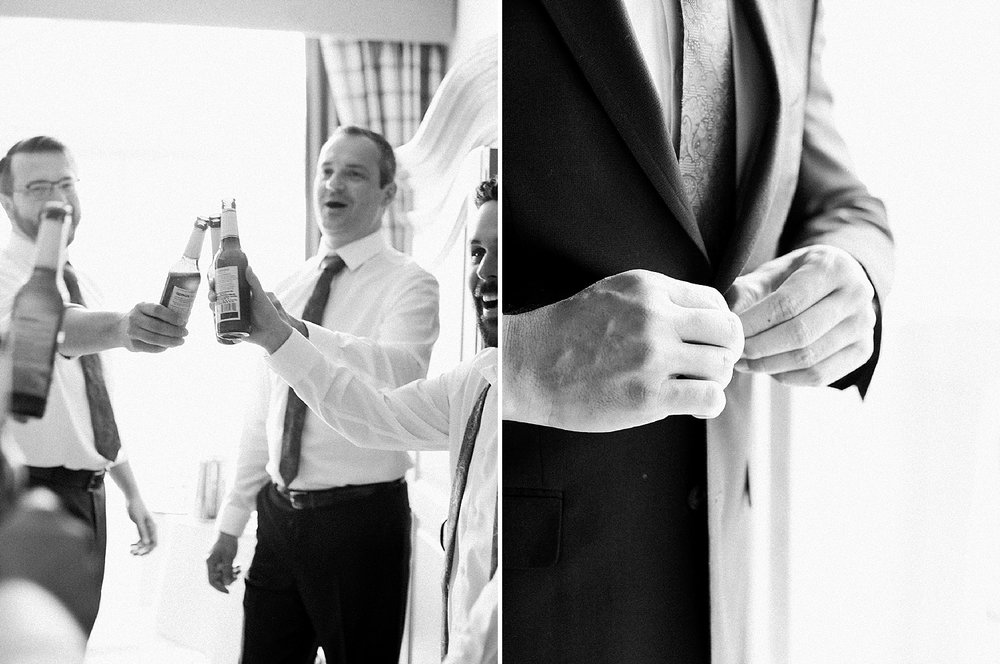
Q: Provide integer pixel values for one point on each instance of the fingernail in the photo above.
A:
(742, 365)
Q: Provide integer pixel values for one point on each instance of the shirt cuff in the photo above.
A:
(293, 359)
(232, 520)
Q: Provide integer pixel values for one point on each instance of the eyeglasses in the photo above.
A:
(40, 190)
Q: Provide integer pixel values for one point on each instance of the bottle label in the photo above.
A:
(34, 341)
(227, 294)
(182, 301)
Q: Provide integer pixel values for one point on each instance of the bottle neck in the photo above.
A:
(49, 244)
(229, 227)
(193, 249)
(216, 231)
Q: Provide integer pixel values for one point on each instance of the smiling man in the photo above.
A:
(76, 443)
(331, 565)
(484, 288)
(455, 411)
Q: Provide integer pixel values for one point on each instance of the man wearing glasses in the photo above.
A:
(70, 449)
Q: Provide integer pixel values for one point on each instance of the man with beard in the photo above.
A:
(456, 411)
(71, 448)
(331, 566)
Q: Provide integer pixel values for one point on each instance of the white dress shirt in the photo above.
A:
(384, 303)
(659, 32)
(64, 436)
(428, 414)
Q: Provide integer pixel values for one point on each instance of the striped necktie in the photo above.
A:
(295, 412)
(455, 505)
(102, 416)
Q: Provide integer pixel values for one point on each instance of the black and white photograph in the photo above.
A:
(749, 342)
(485, 331)
(250, 279)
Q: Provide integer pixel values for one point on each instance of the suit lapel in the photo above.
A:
(593, 31)
(758, 100)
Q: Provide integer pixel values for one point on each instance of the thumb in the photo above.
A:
(253, 281)
(747, 291)
(754, 286)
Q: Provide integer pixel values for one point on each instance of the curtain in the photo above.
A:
(384, 86)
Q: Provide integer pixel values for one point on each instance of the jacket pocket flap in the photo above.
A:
(532, 527)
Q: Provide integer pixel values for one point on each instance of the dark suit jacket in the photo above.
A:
(605, 549)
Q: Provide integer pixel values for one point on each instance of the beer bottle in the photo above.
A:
(232, 304)
(184, 278)
(215, 230)
(37, 316)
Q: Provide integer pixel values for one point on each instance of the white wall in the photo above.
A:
(895, 515)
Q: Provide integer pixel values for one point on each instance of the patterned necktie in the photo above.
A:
(102, 417)
(707, 151)
(457, 491)
(295, 412)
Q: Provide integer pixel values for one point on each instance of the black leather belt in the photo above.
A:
(302, 500)
(88, 480)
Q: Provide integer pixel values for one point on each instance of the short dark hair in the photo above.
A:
(486, 191)
(28, 145)
(387, 158)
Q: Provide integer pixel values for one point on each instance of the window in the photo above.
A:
(164, 122)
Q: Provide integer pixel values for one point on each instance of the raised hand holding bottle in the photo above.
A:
(184, 276)
(232, 304)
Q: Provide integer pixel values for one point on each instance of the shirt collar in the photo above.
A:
(22, 248)
(485, 362)
(20, 245)
(355, 254)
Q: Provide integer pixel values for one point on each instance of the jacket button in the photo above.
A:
(696, 498)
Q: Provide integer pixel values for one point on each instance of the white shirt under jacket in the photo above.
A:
(384, 304)
(428, 414)
(64, 436)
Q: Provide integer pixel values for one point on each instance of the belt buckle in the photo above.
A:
(95, 481)
(297, 499)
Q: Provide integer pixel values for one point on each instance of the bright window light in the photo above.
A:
(164, 122)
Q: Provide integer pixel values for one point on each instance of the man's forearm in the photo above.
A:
(86, 331)
(125, 479)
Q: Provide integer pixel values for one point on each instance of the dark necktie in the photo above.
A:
(457, 491)
(707, 154)
(102, 417)
(295, 412)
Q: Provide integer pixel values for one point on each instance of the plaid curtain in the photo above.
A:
(384, 86)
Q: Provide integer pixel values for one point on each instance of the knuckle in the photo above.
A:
(716, 298)
(671, 393)
(804, 358)
(866, 287)
(751, 352)
(813, 376)
(736, 336)
(726, 372)
(785, 305)
(632, 281)
(715, 400)
(827, 258)
(637, 393)
(690, 319)
(868, 318)
(800, 332)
